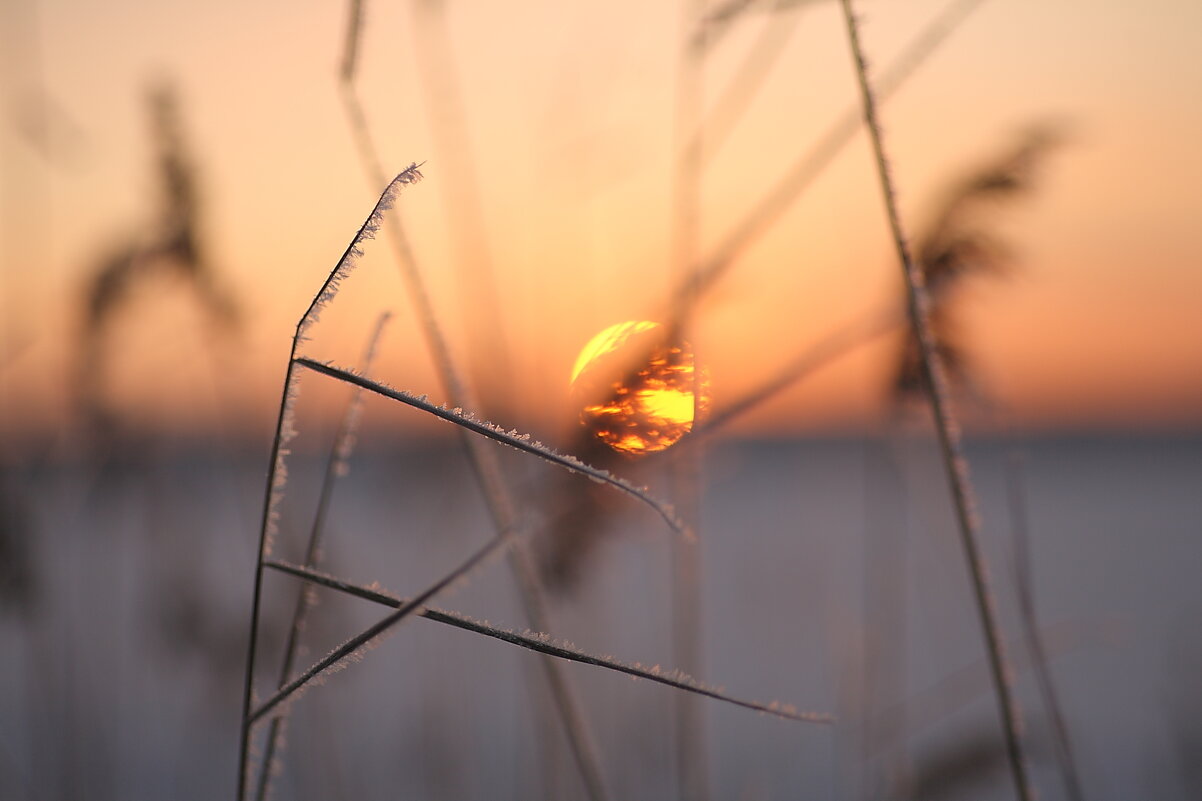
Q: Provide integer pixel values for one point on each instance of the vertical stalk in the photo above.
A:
(948, 431)
(691, 771)
(335, 465)
(1020, 526)
(487, 468)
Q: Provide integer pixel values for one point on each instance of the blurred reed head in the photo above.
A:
(961, 242)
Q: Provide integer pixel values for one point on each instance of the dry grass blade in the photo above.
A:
(369, 229)
(749, 76)
(1020, 526)
(336, 465)
(543, 644)
(685, 587)
(948, 430)
(941, 699)
(489, 356)
(350, 47)
(811, 164)
(512, 438)
(488, 473)
(813, 357)
(333, 660)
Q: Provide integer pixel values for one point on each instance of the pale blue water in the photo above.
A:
(124, 680)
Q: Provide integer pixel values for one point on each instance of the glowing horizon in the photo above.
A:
(1099, 322)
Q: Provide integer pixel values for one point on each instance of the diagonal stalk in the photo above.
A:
(284, 432)
(1020, 528)
(810, 165)
(692, 775)
(948, 430)
(332, 660)
(511, 438)
(335, 466)
(488, 473)
(542, 644)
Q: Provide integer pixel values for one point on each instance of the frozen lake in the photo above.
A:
(121, 667)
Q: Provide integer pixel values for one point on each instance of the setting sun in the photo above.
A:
(636, 390)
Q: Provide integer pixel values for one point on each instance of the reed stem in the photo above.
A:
(947, 428)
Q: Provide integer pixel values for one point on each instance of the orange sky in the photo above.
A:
(570, 113)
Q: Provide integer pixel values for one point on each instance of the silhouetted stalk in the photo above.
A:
(284, 432)
(541, 643)
(736, 96)
(954, 691)
(490, 354)
(496, 493)
(1020, 527)
(336, 465)
(332, 660)
(806, 169)
(948, 430)
(350, 46)
(512, 438)
(815, 356)
(886, 601)
(691, 752)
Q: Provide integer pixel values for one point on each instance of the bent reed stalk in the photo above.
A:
(469, 425)
(336, 464)
(284, 431)
(542, 643)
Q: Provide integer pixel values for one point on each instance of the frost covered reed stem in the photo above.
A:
(946, 426)
(543, 644)
(336, 465)
(284, 431)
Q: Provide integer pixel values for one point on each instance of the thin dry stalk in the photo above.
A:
(813, 357)
(811, 164)
(952, 692)
(336, 465)
(1020, 527)
(948, 430)
(489, 354)
(488, 473)
(350, 46)
(543, 644)
(332, 661)
(512, 438)
(691, 751)
(735, 98)
(886, 767)
(284, 431)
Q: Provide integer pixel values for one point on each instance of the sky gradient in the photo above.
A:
(568, 139)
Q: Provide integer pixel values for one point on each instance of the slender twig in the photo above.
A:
(479, 296)
(814, 356)
(811, 164)
(948, 430)
(350, 47)
(512, 438)
(740, 90)
(283, 432)
(543, 644)
(937, 701)
(886, 770)
(1020, 528)
(494, 488)
(336, 465)
(332, 660)
(685, 579)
